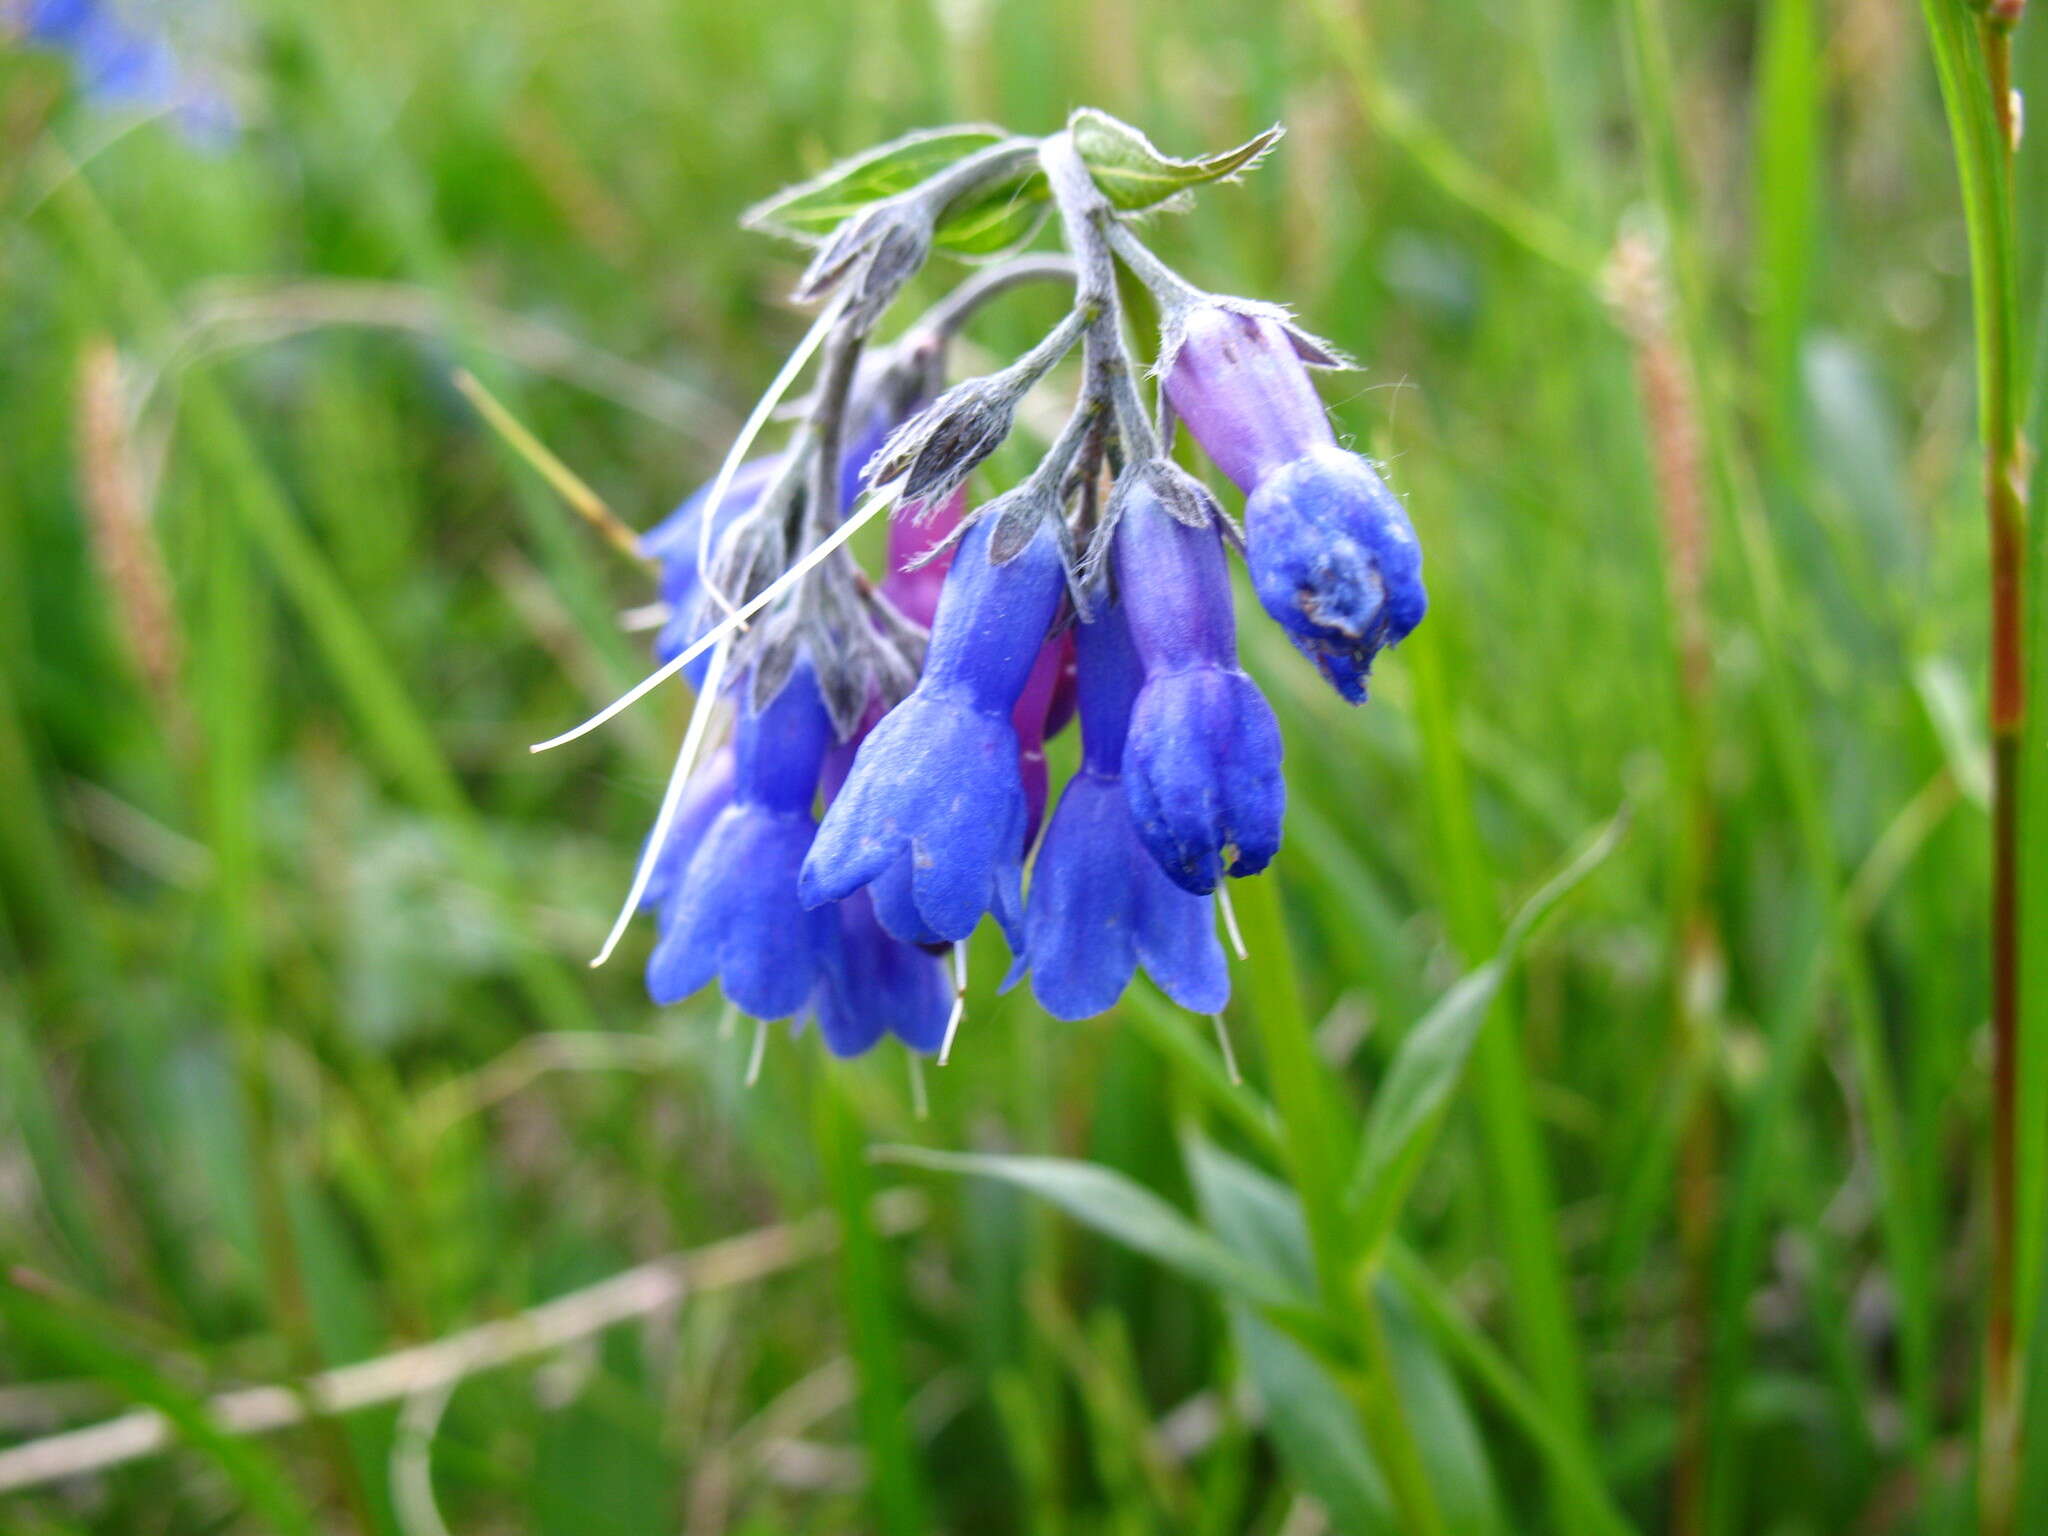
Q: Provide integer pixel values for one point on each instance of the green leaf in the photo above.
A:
(1133, 174)
(1120, 1209)
(814, 208)
(1312, 1421)
(1412, 1100)
(1314, 1429)
(995, 218)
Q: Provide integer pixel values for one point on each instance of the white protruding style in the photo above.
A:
(959, 1002)
(878, 500)
(664, 819)
(741, 445)
(1230, 929)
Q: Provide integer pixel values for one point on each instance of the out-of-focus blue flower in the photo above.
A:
(1201, 762)
(734, 913)
(1100, 905)
(937, 782)
(1332, 554)
(125, 59)
(876, 985)
(709, 792)
(1334, 560)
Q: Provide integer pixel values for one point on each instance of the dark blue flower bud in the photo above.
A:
(877, 985)
(1100, 905)
(937, 780)
(1335, 562)
(1201, 762)
(734, 914)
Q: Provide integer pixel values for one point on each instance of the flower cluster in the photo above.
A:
(886, 786)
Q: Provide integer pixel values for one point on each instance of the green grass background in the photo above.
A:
(288, 915)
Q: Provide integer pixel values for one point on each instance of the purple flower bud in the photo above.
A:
(1334, 560)
(876, 985)
(1201, 762)
(1100, 905)
(734, 914)
(1244, 393)
(937, 780)
(911, 533)
(1028, 717)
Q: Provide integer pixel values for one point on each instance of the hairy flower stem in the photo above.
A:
(1107, 368)
(947, 318)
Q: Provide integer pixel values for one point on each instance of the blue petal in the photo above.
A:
(937, 778)
(1177, 943)
(877, 985)
(736, 916)
(1079, 918)
(896, 908)
(709, 792)
(1202, 770)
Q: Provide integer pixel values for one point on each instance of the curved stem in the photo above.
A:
(947, 318)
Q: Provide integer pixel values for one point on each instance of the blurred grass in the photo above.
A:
(261, 929)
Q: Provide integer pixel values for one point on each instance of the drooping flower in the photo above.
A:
(1100, 905)
(876, 984)
(734, 915)
(1332, 554)
(937, 781)
(1201, 762)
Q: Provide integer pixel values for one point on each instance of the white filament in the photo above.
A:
(672, 797)
(763, 409)
(760, 1050)
(1230, 928)
(877, 500)
(1229, 1054)
(959, 1001)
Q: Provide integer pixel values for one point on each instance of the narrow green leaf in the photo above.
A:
(1259, 1216)
(814, 208)
(1132, 172)
(1120, 1209)
(1314, 1429)
(85, 1348)
(1412, 1101)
